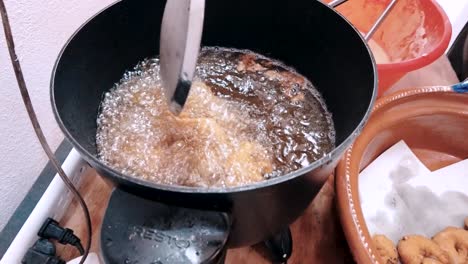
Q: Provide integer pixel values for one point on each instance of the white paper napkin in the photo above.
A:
(400, 196)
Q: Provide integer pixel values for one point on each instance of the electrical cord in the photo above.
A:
(42, 252)
(37, 128)
(51, 229)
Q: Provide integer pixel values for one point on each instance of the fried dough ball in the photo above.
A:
(455, 242)
(386, 249)
(416, 249)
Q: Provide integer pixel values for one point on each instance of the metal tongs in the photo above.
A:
(180, 39)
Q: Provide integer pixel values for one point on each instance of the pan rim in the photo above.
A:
(336, 152)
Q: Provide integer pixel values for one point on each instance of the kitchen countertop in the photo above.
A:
(317, 234)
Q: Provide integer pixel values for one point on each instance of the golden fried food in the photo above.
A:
(248, 63)
(416, 249)
(220, 152)
(386, 249)
(208, 144)
(291, 83)
(247, 164)
(455, 242)
(466, 223)
(238, 161)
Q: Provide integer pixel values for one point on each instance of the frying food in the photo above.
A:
(247, 118)
(216, 142)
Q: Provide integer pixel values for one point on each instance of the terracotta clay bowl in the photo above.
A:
(433, 121)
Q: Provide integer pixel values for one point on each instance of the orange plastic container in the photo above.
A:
(413, 35)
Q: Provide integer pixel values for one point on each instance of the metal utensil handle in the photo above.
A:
(181, 32)
(336, 3)
(378, 22)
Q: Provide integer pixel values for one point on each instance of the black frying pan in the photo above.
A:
(304, 34)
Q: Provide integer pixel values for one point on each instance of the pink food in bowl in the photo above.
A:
(413, 35)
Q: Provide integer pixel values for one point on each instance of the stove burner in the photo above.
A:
(137, 230)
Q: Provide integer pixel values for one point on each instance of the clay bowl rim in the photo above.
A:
(346, 187)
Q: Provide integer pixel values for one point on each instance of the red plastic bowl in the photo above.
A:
(414, 34)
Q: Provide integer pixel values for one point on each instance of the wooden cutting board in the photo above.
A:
(317, 234)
